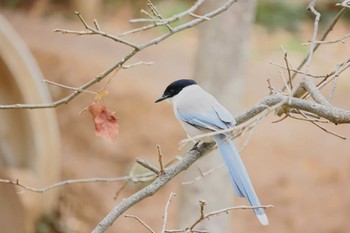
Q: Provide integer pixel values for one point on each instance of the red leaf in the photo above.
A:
(106, 124)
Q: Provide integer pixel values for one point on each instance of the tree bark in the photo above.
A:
(222, 52)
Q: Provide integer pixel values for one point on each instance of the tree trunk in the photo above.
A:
(221, 55)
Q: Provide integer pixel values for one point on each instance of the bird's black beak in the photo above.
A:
(163, 97)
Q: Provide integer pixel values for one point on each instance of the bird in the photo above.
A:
(199, 113)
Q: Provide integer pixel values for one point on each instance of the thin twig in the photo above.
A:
(137, 64)
(199, 16)
(341, 39)
(123, 186)
(324, 129)
(299, 71)
(345, 4)
(120, 189)
(165, 221)
(147, 165)
(172, 19)
(134, 178)
(160, 160)
(144, 28)
(95, 31)
(140, 221)
(323, 37)
(201, 215)
(269, 86)
(285, 83)
(311, 7)
(68, 87)
(203, 174)
(288, 69)
(157, 14)
(214, 213)
(334, 86)
(225, 210)
(97, 26)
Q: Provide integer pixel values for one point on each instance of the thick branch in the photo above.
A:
(268, 103)
(333, 114)
(329, 112)
(151, 189)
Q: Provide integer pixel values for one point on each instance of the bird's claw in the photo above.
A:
(195, 147)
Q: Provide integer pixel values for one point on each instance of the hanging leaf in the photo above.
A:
(106, 123)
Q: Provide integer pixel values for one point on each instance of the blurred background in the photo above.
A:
(295, 166)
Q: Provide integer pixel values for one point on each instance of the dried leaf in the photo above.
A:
(106, 123)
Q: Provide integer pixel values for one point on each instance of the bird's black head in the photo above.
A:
(175, 87)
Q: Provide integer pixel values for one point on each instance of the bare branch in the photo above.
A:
(214, 213)
(311, 7)
(298, 71)
(71, 96)
(172, 19)
(331, 113)
(160, 160)
(201, 216)
(137, 64)
(323, 37)
(68, 87)
(203, 174)
(199, 16)
(315, 122)
(165, 221)
(151, 189)
(147, 165)
(341, 39)
(325, 111)
(133, 178)
(314, 92)
(140, 221)
(345, 4)
(95, 31)
(226, 210)
(190, 24)
(157, 14)
(288, 69)
(136, 49)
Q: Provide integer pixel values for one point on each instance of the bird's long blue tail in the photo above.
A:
(239, 176)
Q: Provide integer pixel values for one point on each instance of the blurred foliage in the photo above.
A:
(274, 14)
(11, 3)
(167, 8)
(50, 223)
(289, 15)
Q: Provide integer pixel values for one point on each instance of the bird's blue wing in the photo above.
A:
(206, 119)
(224, 114)
(202, 110)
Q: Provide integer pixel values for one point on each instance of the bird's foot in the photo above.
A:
(196, 147)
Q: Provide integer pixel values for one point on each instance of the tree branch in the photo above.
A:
(133, 178)
(151, 189)
(323, 37)
(329, 112)
(136, 49)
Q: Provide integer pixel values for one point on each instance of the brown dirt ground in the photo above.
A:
(301, 170)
